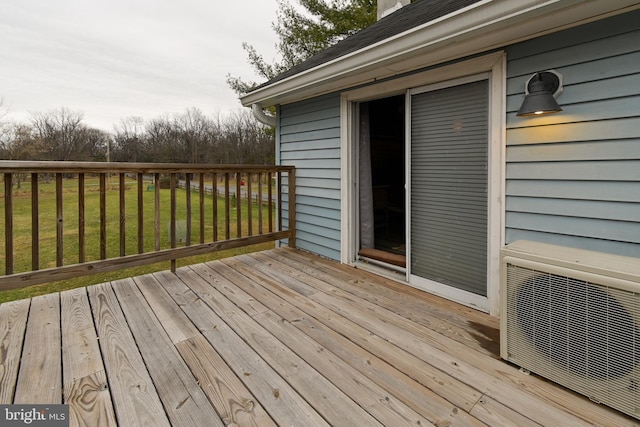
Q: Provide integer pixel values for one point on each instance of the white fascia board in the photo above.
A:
(478, 28)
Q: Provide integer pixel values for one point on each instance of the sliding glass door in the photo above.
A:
(447, 130)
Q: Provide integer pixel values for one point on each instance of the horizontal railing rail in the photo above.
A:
(59, 217)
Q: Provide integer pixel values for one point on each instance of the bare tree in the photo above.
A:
(193, 131)
(161, 141)
(246, 140)
(95, 143)
(129, 141)
(5, 129)
(20, 145)
(189, 137)
(63, 135)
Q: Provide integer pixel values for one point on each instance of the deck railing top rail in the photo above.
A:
(20, 166)
(81, 218)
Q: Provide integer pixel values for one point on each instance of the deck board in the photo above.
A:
(231, 398)
(40, 377)
(282, 401)
(134, 396)
(184, 401)
(84, 380)
(269, 339)
(332, 403)
(439, 320)
(13, 322)
(310, 320)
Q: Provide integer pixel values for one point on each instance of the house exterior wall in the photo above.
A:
(308, 138)
(573, 178)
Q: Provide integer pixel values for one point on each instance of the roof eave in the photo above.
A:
(480, 27)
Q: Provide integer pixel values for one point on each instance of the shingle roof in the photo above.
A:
(413, 15)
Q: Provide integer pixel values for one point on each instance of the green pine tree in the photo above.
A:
(305, 30)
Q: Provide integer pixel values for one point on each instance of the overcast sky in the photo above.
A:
(111, 59)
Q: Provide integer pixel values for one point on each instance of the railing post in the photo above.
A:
(292, 207)
(226, 207)
(214, 213)
(81, 220)
(60, 221)
(103, 216)
(35, 224)
(187, 189)
(279, 198)
(249, 206)
(123, 214)
(270, 197)
(201, 192)
(172, 226)
(8, 222)
(259, 201)
(156, 204)
(238, 205)
(140, 178)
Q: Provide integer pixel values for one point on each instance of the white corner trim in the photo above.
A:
(347, 203)
(497, 174)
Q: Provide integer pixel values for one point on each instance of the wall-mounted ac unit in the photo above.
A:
(573, 316)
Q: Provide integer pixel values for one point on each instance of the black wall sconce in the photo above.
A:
(541, 91)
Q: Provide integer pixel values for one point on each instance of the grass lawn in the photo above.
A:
(48, 223)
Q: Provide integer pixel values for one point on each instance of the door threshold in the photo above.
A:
(393, 272)
(384, 257)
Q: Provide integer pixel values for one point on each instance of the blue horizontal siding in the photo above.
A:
(318, 173)
(614, 149)
(593, 209)
(318, 211)
(573, 131)
(600, 228)
(574, 190)
(310, 135)
(308, 138)
(593, 170)
(326, 153)
(313, 202)
(318, 183)
(316, 125)
(573, 178)
(317, 145)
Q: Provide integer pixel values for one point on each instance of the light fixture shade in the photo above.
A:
(540, 97)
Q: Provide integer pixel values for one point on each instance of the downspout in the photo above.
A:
(263, 117)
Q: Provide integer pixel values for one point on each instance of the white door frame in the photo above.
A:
(495, 65)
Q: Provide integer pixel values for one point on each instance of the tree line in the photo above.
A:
(189, 137)
(303, 27)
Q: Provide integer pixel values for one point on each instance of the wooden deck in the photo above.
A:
(277, 338)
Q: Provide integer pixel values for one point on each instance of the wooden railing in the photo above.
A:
(73, 208)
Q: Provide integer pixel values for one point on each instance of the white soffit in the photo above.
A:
(478, 28)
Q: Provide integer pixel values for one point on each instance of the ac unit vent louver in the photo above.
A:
(573, 316)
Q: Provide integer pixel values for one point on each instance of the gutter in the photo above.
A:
(261, 116)
(480, 27)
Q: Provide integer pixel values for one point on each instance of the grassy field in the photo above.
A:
(48, 223)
